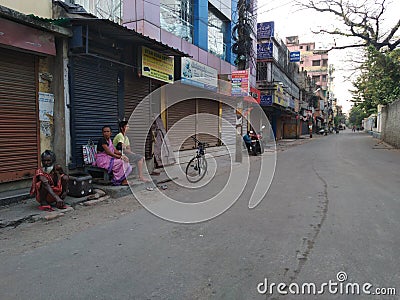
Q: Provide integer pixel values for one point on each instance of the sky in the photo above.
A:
(290, 20)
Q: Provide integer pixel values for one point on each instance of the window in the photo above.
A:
(324, 78)
(301, 47)
(316, 63)
(315, 78)
(216, 33)
(325, 62)
(176, 16)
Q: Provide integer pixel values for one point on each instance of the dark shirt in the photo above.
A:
(247, 138)
(100, 144)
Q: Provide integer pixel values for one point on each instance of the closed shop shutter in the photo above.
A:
(19, 134)
(136, 89)
(228, 132)
(94, 101)
(208, 123)
(181, 134)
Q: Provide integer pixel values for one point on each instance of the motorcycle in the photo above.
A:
(257, 146)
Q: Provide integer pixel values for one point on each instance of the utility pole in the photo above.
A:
(242, 35)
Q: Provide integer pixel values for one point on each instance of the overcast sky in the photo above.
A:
(290, 21)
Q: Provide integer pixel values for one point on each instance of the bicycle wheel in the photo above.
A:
(196, 169)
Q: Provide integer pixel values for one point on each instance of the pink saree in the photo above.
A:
(119, 169)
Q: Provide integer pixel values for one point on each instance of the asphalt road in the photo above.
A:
(333, 206)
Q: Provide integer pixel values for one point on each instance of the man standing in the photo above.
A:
(50, 184)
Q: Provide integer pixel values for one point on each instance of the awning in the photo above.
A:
(114, 31)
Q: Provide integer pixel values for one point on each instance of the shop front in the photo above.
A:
(26, 95)
(112, 69)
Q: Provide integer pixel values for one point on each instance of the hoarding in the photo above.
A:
(266, 100)
(198, 74)
(264, 50)
(295, 56)
(240, 83)
(157, 66)
(265, 30)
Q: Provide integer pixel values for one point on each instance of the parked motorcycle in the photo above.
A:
(257, 146)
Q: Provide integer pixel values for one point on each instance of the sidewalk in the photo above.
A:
(22, 208)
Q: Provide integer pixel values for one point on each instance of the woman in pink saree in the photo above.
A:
(112, 160)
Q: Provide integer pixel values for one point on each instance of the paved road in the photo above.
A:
(333, 206)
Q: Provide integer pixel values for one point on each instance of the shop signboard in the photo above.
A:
(279, 97)
(265, 30)
(266, 100)
(295, 56)
(264, 50)
(240, 83)
(198, 74)
(157, 66)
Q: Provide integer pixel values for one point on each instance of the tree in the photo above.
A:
(356, 115)
(361, 19)
(379, 81)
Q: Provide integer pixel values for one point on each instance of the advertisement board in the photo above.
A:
(264, 50)
(265, 30)
(198, 74)
(295, 56)
(157, 66)
(240, 83)
(266, 100)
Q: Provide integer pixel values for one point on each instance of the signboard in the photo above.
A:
(295, 56)
(265, 30)
(157, 66)
(254, 96)
(266, 100)
(278, 96)
(25, 37)
(264, 50)
(198, 74)
(240, 83)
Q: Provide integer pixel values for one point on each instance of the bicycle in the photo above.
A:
(197, 166)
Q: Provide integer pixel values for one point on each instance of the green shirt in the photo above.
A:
(120, 138)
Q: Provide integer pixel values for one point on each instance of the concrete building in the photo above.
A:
(278, 81)
(315, 62)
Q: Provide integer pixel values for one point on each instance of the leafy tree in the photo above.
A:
(361, 19)
(379, 81)
(356, 115)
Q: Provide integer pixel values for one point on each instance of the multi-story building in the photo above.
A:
(315, 62)
(277, 79)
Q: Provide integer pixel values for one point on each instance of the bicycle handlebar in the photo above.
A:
(204, 144)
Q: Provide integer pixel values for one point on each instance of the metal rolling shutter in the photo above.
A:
(208, 123)
(94, 100)
(181, 134)
(228, 133)
(136, 89)
(19, 134)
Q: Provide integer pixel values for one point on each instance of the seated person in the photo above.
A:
(121, 142)
(247, 140)
(50, 184)
(111, 159)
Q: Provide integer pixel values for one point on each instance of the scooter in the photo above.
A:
(257, 146)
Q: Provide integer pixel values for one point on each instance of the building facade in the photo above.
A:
(277, 79)
(315, 63)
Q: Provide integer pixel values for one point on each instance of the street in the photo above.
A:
(332, 207)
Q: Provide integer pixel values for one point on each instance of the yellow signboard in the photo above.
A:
(278, 95)
(157, 66)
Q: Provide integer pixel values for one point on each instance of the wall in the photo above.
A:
(41, 8)
(391, 124)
